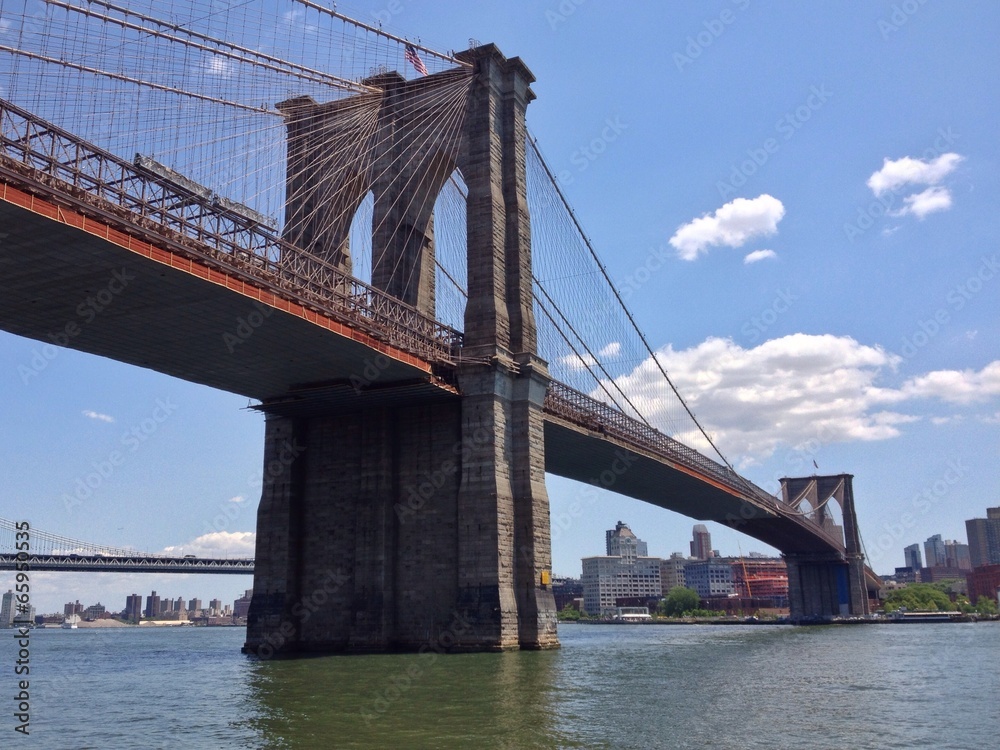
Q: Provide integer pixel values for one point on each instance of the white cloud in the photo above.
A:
(956, 386)
(97, 415)
(217, 544)
(238, 499)
(584, 361)
(793, 391)
(930, 200)
(758, 255)
(732, 225)
(908, 171)
(296, 18)
(217, 65)
(574, 362)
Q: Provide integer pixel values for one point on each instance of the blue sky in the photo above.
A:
(859, 145)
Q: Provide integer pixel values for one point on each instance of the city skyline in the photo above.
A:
(982, 546)
(857, 150)
(149, 605)
(700, 539)
(626, 575)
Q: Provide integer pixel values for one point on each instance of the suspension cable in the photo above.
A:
(400, 40)
(628, 313)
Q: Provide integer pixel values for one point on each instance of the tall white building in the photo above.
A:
(626, 571)
(7, 610)
(9, 616)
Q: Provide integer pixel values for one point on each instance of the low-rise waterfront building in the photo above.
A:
(94, 612)
(761, 578)
(713, 577)
(566, 591)
(672, 572)
(983, 581)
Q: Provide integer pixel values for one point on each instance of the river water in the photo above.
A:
(615, 686)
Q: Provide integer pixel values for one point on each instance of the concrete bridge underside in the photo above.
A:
(71, 281)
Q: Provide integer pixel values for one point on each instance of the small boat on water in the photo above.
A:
(70, 623)
(901, 616)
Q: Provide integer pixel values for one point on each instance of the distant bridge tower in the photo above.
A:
(827, 585)
(391, 523)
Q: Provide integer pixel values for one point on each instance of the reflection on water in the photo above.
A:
(417, 700)
(879, 686)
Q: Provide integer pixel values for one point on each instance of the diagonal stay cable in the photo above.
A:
(583, 360)
(590, 354)
(614, 289)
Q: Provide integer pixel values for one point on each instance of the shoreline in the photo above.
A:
(723, 621)
(118, 625)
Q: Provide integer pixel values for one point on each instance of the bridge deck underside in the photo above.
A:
(576, 453)
(153, 315)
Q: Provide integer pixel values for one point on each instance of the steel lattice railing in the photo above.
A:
(581, 409)
(52, 162)
(131, 563)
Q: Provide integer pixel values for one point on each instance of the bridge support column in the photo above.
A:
(532, 533)
(504, 542)
(356, 532)
(505, 558)
(817, 587)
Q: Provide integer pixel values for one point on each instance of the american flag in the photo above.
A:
(414, 59)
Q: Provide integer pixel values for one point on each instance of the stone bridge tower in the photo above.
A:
(825, 586)
(393, 524)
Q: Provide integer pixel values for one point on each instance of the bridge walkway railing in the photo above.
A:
(585, 411)
(52, 162)
(563, 401)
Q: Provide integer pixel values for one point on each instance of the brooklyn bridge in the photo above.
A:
(365, 239)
